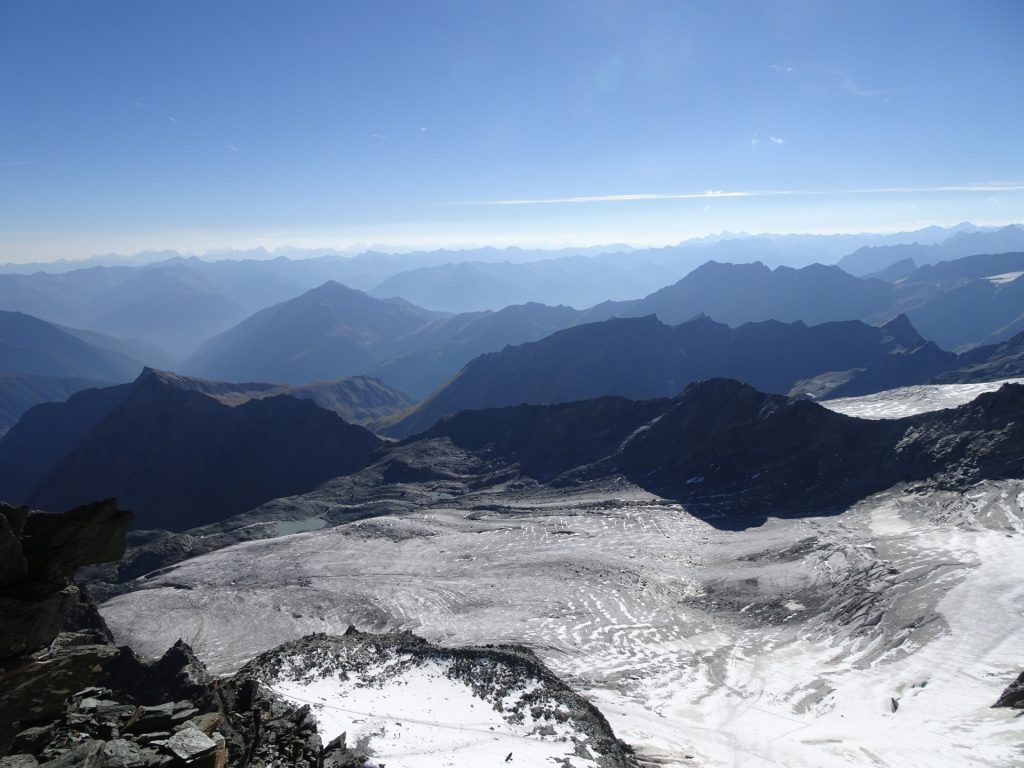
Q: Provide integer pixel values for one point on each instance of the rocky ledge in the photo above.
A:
(72, 697)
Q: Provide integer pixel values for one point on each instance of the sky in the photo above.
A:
(197, 124)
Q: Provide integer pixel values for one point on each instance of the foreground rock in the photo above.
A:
(1013, 696)
(71, 697)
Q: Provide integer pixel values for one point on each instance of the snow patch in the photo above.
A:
(1004, 278)
(417, 715)
(909, 401)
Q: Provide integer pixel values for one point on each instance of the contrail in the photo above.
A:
(712, 194)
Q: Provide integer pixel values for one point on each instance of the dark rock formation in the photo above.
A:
(71, 697)
(497, 675)
(723, 444)
(1013, 696)
(175, 456)
(989, 363)
(44, 656)
(40, 552)
(642, 358)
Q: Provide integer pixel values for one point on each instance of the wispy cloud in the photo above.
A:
(377, 136)
(10, 163)
(233, 148)
(423, 129)
(714, 194)
(783, 68)
(845, 82)
(172, 118)
(776, 140)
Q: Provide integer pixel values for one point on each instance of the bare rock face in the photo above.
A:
(40, 665)
(72, 698)
(1013, 696)
(39, 552)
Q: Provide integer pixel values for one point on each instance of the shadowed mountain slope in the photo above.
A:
(357, 399)
(326, 333)
(988, 363)
(986, 310)
(441, 349)
(726, 445)
(176, 456)
(29, 345)
(18, 393)
(643, 358)
(734, 456)
(874, 258)
(742, 293)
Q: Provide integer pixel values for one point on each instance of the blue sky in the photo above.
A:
(188, 124)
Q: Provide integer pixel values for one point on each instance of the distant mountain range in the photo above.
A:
(643, 358)
(335, 331)
(577, 281)
(332, 331)
(742, 293)
(874, 258)
(180, 452)
(969, 301)
(175, 303)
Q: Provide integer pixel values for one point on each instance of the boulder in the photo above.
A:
(189, 744)
(1013, 696)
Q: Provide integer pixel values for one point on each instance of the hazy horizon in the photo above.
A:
(306, 246)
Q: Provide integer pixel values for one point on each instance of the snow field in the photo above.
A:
(909, 401)
(778, 645)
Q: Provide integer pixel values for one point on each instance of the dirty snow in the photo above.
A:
(779, 645)
(909, 401)
(422, 718)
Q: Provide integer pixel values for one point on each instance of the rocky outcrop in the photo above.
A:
(509, 679)
(1013, 696)
(73, 698)
(52, 641)
(39, 552)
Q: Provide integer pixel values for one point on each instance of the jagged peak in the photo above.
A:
(903, 332)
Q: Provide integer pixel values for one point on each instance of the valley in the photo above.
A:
(881, 636)
(783, 644)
